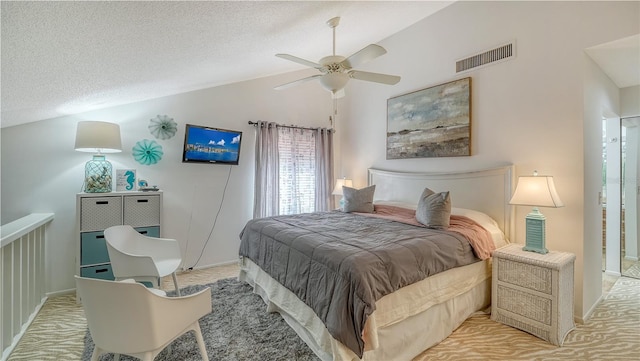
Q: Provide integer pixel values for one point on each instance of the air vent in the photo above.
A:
(501, 53)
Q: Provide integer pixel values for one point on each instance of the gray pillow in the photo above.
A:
(434, 209)
(358, 200)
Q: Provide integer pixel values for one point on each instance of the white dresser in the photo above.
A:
(533, 292)
(99, 211)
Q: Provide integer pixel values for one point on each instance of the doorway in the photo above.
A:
(630, 193)
(611, 196)
(620, 196)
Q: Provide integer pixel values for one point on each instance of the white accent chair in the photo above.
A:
(142, 258)
(128, 318)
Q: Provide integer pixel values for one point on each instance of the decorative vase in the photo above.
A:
(98, 175)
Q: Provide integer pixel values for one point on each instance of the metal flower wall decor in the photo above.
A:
(163, 127)
(147, 152)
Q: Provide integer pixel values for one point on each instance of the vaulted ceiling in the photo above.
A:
(62, 58)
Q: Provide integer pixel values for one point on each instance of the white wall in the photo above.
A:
(601, 99)
(630, 101)
(614, 201)
(631, 187)
(528, 111)
(42, 173)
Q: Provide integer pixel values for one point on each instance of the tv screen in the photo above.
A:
(211, 145)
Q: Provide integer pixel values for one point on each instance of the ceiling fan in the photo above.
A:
(336, 70)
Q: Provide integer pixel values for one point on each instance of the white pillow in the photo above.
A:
(406, 205)
(486, 222)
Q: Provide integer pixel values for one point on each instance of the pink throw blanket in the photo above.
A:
(479, 238)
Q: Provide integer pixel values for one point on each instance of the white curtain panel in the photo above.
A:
(266, 195)
(324, 169)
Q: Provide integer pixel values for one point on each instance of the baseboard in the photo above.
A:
(7, 351)
(60, 293)
(226, 263)
(629, 258)
(612, 273)
(582, 320)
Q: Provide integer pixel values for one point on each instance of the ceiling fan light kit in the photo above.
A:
(336, 70)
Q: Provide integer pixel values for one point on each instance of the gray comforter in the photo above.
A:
(339, 264)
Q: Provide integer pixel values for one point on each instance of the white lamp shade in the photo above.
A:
(337, 191)
(98, 137)
(537, 191)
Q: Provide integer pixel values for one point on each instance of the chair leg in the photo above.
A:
(96, 353)
(200, 340)
(175, 283)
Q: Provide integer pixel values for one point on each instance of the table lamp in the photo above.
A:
(337, 190)
(98, 137)
(536, 191)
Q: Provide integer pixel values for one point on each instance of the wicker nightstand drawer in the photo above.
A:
(533, 292)
(528, 276)
(525, 304)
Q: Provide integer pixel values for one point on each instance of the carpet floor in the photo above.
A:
(238, 328)
(58, 331)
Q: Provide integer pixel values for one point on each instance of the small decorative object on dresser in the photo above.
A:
(533, 292)
(125, 180)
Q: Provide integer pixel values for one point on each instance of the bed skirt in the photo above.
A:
(404, 324)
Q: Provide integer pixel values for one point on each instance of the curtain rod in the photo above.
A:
(290, 126)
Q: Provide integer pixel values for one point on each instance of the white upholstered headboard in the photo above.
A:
(487, 190)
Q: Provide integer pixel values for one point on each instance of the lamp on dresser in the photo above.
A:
(337, 190)
(536, 191)
(98, 137)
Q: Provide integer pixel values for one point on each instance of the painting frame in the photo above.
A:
(430, 123)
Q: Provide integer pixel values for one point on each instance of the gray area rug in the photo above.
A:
(238, 328)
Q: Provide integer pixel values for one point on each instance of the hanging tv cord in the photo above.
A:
(215, 220)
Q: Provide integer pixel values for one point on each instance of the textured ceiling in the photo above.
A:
(60, 58)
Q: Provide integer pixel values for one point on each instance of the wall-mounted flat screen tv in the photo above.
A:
(211, 145)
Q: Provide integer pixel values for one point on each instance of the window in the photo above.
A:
(297, 158)
(294, 170)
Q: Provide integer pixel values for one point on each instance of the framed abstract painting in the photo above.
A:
(432, 122)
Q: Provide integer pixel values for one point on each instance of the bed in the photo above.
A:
(408, 314)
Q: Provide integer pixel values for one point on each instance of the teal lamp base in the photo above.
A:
(97, 175)
(535, 225)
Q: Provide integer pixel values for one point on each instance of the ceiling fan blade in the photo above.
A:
(374, 77)
(366, 54)
(296, 82)
(295, 59)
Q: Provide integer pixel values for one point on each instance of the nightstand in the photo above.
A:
(533, 292)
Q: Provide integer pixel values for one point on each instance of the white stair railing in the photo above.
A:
(22, 276)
